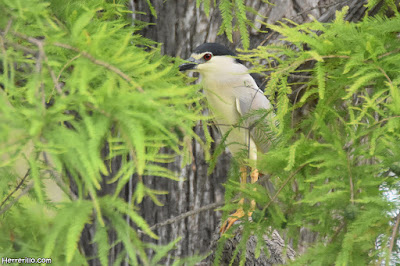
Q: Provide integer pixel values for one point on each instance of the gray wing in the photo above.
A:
(256, 112)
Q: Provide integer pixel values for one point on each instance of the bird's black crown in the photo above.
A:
(214, 48)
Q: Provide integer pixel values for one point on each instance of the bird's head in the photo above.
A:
(212, 58)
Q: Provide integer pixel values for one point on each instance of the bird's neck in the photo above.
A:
(221, 78)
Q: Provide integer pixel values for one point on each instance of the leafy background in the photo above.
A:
(80, 94)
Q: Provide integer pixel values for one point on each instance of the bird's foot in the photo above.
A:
(232, 219)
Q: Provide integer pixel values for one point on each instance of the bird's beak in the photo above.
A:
(189, 66)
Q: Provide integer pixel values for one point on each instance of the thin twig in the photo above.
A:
(3, 48)
(386, 76)
(98, 62)
(298, 63)
(58, 179)
(283, 185)
(300, 76)
(319, 6)
(231, 125)
(61, 71)
(337, 231)
(384, 120)
(67, 64)
(9, 23)
(27, 38)
(41, 56)
(295, 101)
(23, 192)
(17, 46)
(350, 180)
(39, 68)
(394, 233)
(52, 75)
(395, 51)
(301, 13)
(112, 68)
(91, 106)
(267, 38)
(187, 214)
(16, 188)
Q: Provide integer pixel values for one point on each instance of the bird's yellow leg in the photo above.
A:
(239, 212)
(254, 178)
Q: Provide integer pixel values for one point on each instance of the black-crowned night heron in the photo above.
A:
(232, 94)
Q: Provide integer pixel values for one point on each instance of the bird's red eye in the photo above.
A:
(207, 56)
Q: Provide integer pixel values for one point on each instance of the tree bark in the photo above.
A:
(278, 252)
(181, 27)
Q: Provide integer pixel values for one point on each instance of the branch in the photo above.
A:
(52, 75)
(15, 190)
(295, 64)
(58, 180)
(283, 185)
(350, 180)
(300, 76)
(395, 51)
(277, 252)
(186, 214)
(394, 233)
(62, 70)
(386, 75)
(17, 46)
(23, 192)
(98, 62)
(9, 23)
(384, 120)
(40, 43)
(42, 56)
(319, 6)
(337, 231)
(300, 14)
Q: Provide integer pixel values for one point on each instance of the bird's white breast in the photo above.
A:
(222, 87)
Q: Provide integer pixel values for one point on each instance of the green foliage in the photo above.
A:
(333, 167)
(384, 6)
(69, 230)
(207, 5)
(234, 18)
(78, 89)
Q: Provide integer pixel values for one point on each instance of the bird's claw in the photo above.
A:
(232, 219)
(227, 224)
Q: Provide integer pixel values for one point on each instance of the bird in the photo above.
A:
(232, 95)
